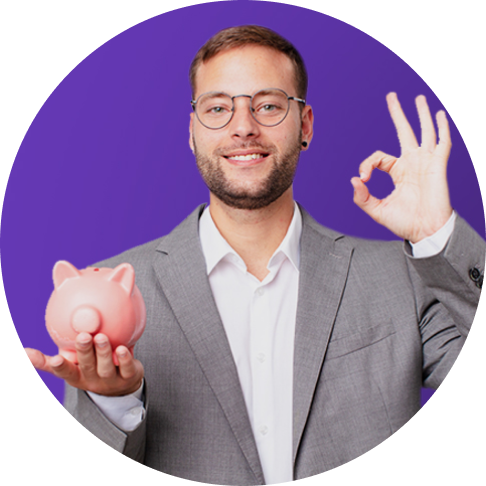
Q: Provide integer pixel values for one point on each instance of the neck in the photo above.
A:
(254, 234)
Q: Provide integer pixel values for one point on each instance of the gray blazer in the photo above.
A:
(373, 326)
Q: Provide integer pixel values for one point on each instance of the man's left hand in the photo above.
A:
(419, 205)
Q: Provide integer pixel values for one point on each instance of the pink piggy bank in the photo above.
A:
(95, 300)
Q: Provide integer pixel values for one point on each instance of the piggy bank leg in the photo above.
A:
(70, 355)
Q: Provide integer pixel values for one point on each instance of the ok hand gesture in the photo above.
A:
(419, 205)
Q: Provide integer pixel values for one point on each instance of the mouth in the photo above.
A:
(246, 158)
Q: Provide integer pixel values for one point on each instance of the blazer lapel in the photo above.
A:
(181, 271)
(324, 264)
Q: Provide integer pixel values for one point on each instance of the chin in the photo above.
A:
(249, 199)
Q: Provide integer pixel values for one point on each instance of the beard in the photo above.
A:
(263, 193)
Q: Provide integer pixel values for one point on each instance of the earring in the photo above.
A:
(304, 144)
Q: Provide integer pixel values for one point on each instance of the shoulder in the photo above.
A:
(358, 246)
(142, 256)
(136, 256)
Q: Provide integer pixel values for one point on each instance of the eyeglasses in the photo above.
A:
(269, 107)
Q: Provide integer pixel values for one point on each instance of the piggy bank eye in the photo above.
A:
(96, 269)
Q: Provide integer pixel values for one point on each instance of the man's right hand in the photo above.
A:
(96, 371)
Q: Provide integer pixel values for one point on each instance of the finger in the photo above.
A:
(444, 146)
(377, 160)
(56, 365)
(65, 369)
(128, 365)
(429, 137)
(86, 356)
(130, 369)
(363, 199)
(105, 366)
(404, 130)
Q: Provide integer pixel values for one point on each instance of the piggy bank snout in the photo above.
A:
(86, 319)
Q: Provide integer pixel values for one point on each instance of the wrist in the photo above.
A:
(433, 245)
(429, 230)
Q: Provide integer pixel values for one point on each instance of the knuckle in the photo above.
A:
(105, 374)
(83, 350)
(103, 352)
(87, 369)
(129, 374)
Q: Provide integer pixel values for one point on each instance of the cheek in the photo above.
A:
(208, 140)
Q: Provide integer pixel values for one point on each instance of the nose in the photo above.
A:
(243, 125)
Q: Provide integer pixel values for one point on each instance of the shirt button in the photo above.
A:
(135, 411)
(261, 357)
(474, 273)
(260, 292)
(263, 430)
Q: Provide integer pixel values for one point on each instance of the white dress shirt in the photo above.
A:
(259, 320)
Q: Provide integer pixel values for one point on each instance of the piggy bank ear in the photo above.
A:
(124, 275)
(62, 271)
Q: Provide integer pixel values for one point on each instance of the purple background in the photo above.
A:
(106, 163)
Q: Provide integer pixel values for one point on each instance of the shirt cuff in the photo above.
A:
(434, 244)
(126, 412)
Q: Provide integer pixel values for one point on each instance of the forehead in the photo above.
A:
(245, 70)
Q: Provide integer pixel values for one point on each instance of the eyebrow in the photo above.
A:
(215, 94)
(264, 91)
(219, 93)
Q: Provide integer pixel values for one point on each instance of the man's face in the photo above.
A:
(244, 164)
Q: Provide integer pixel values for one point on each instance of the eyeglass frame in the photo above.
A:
(289, 98)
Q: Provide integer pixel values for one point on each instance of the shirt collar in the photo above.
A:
(215, 247)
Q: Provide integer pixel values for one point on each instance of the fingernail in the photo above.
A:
(101, 341)
(56, 361)
(361, 175)
(122, 353)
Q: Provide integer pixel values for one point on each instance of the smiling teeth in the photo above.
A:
(246, 157)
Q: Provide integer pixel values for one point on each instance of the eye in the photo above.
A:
(268, 108)
(270, 103)
(214, 105)
(217, 110)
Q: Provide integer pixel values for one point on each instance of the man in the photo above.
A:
(275, 348)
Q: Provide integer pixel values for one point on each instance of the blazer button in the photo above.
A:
(474, 273)
(479, 283)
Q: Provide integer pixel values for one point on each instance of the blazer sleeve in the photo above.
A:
(83, 409)
(448, 287)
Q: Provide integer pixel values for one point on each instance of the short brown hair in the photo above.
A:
(246, 35)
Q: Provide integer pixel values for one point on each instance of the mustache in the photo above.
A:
(250, 145)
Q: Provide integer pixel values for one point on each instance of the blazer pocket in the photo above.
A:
(342, 345)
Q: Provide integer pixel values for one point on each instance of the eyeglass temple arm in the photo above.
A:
(296, 99)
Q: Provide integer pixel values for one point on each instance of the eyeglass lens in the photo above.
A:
(269, 107)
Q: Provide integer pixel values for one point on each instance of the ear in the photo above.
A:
(124, 275)
(191, 141)
(307, 125)
(62, 271)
